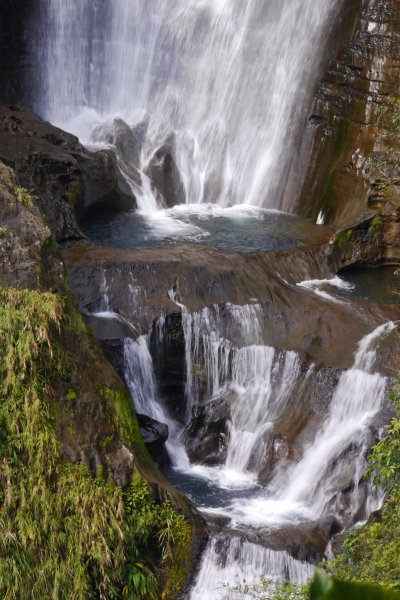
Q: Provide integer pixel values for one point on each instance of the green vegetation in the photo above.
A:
(343, 238)
(389, 114)
(17, 193)
(65, 532)
(372, 552)
(50, 244)
(322, 587)
(74, 193)
(376, 224)
(325, 588)
(384, 169)
(268, 590)
(23, 196)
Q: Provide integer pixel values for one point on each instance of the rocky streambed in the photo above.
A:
(272, 376)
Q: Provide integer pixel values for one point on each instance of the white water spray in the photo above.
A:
(236, 562)
(230, 81)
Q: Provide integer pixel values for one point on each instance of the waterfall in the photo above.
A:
(265, 483)
(141, 382)
(307, 490)
(236, 562)
(264, 382)
(225, 84)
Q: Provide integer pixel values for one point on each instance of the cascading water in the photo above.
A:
(242, 564)
(321, 482)
(301, 492)
(227, 83)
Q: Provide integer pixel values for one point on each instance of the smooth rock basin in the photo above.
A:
(241, 228)
(376, 285)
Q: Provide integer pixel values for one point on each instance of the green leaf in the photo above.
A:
(324, 588)
(320, 586)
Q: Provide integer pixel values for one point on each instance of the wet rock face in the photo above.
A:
(139, 284)
(27, 249)
(65, 178)
(165, 176)
(354, 139)
(127, 140)
(208, 433)
(291, 427)
(168, 354)
(29, 259)
(371, 242)
(154, 434)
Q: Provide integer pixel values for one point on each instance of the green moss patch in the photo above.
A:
(64, 532)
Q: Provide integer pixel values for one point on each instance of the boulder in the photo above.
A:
(128, 141)
(106, 187)
(63, 176)
(154, 434)
(208, 433)
(164, 174)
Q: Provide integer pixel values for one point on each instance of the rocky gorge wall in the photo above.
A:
(352, 166)
(352, 115)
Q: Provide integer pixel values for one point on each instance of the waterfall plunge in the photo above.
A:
(231, 81)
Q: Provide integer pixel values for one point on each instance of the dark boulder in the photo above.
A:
(64, 177)
(165, 176)
(154, 434)
(128, 141)
(208, 433)
(106, 187)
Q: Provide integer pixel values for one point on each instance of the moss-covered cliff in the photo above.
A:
(84, 512)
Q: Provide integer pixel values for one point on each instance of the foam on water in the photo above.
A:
(335, 282)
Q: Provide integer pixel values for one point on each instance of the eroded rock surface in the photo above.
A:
(141, 286)
(352, 174)
(165, 176)
(64, 176)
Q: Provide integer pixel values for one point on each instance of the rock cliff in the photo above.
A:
(353, 170)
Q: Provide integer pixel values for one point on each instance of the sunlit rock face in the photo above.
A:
(342, 185)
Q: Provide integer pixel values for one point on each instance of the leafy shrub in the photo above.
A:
(372, 552)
